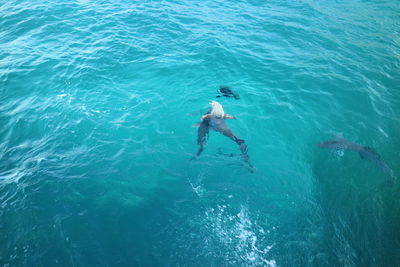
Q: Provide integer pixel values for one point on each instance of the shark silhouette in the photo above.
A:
(365, 152)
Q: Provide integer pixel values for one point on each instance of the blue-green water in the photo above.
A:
(97, 103)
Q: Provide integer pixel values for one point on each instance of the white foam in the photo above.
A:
(244, 240)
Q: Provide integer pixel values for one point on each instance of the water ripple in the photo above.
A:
(95, 139)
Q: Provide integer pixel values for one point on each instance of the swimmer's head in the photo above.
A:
(216, 109)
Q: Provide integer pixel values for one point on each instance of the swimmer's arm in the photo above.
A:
(227, 116)
(206, 117)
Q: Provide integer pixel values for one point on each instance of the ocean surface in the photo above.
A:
(98, 102)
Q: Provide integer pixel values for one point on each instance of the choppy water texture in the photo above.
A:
(97, 103)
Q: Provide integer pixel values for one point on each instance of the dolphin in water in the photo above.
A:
(215, 119)
(227, 92)
(340, 143)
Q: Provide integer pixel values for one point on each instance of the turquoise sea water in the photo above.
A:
(97, 103)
